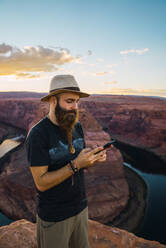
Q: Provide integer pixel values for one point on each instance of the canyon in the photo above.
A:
(107, 188)
(137, 121)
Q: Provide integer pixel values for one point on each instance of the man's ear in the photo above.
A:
(53, 100)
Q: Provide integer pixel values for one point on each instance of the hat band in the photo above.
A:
(66, 88)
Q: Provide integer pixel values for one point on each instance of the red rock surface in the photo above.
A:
(17, 188)
(138, 121)
(19, 234)
(101, 236)
(17, 191)
(21, 112)
(107, 191)
(132, 120)
(22, 234)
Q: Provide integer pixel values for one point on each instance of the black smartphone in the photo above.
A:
(106, 146)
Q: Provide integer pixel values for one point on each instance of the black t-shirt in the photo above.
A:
(47, 146)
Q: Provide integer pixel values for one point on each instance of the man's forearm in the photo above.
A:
(86, 158)
(53, 178)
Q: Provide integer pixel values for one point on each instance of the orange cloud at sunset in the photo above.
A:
(29, 60)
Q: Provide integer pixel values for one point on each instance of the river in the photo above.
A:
(153, 225)
(7, 145)
(153, 171)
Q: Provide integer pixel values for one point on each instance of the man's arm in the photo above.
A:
(45, 179)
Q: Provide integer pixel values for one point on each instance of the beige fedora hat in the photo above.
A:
(61, 84)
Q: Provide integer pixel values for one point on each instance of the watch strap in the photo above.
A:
(73, 167)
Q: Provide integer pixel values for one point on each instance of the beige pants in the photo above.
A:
(70, 233)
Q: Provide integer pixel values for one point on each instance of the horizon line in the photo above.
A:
(92, 94)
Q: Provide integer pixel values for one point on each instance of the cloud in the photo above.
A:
(130, 91)
(92, 65)
(111, 65)
(100, 60)
(100, 73)
(111, 72)
(60, 48)
(79, 60)
(5, 48)
(29, 60)
(29, 75)
(89, 52)
(137, 51)
(111, 82)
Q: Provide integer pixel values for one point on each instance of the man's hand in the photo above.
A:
(103, 156)
(87, 157)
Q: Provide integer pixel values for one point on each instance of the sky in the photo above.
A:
(110, 46)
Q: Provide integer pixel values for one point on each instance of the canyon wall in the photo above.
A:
(17, 188)
(135, 121)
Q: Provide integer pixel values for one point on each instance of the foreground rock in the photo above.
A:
(19, 234)
(136, 121)
(107, 189)
(102, 236)
(22, 234)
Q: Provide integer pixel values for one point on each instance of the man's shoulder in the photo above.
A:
(38, 128)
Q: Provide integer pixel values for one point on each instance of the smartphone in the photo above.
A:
(106, 146)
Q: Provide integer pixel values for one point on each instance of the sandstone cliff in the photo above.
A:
(136, 121)
(17, 189)
(22, 234)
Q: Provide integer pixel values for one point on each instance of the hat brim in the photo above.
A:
(54, 93)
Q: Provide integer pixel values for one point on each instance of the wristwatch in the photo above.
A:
(73, 167)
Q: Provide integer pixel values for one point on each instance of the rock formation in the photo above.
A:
(136, 121)
(101, 236)
(19, 234)
(17, 188)
(17, 191)
(22, 234)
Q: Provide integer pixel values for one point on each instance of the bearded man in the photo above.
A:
(57, 158)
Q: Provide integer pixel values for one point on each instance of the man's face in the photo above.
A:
(66, 110)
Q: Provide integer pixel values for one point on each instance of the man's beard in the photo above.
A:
(66, 120)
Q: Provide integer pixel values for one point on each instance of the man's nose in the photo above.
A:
(75, 106)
